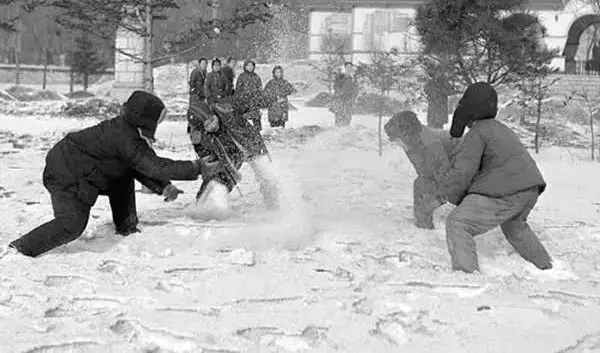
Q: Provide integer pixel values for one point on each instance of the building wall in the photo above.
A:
(383, 28)
(129, 73)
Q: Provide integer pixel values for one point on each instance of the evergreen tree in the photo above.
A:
(385, 72)
(85, 59)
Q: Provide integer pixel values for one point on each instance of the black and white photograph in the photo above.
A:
(299, 176)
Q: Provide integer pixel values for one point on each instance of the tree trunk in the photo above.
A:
(47, 57)
(592, 133)
(379, 124)
(86, 80)
(537, 125)
(71, 80)
(437, 106)
(18, 51)
(148, 74)
(215, 16)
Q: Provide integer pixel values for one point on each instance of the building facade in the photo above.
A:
(370, 26)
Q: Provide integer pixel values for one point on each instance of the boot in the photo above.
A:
(214, 201)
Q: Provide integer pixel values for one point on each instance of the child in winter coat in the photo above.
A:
(345, 90)
(105, 159)
(493, 181)
(281, 88)
(197, 82)
(249, 83)
(216, 85)
(428, 150)
(222, 136)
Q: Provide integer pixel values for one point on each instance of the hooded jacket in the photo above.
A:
(491, 161)
(197, 82)
(248, 81)
(216, 85)
(427, 149)
(89, 162)
(279, 87)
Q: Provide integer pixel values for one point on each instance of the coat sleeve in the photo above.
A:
(193, 79)
(155, 185)
(239, 84)
(140, 157)
(207, 85)
(289, 88)
(259, 84)
(455, 182)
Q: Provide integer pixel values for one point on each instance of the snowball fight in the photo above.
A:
(299, 176)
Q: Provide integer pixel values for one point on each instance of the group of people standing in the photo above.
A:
(211, 87)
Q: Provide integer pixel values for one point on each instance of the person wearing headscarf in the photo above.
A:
(279, 87)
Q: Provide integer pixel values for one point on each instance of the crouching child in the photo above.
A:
(493, 181)
(225, 139)
(105, 159)
(428, 150)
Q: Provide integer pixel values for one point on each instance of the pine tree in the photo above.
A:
(386, 71)
(85, 59)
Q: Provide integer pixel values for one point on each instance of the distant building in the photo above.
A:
(382, 24)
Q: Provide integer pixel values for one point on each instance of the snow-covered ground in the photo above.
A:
(340, 269)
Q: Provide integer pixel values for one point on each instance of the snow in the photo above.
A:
(341, 268)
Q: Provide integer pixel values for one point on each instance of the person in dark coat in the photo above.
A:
(229, 72)
(345, 91)
(493, 180)
(197, 82)
(249, 83)
(429, 150)
(223, 137)
(216, 86)
(279, 87)
(105, 159)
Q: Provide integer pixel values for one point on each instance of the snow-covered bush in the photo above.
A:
(94, 107)
(30, 94)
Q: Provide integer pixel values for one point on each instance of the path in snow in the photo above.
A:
(342, 269)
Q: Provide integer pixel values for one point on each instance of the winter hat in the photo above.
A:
(480, 101)
(403, 125)
(143, 110)
(277, 67)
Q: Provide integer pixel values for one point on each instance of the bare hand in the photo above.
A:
(170, 192)
(211, 124)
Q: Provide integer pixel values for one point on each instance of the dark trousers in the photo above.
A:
(478, 214)
(71, 217)
(425, 202)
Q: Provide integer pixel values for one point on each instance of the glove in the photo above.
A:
(211, 124)
(207, 166)
(170, 192)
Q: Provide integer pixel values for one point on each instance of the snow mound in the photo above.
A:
(292, 136)
(28, 94)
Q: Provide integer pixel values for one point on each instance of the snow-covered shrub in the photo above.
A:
(321, 100)
(80, 95)
(373, 103)
(29, 94)
(94, 107)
